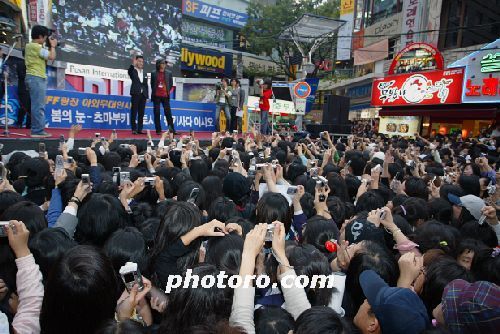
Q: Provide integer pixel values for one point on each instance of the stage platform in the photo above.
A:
(83, 138)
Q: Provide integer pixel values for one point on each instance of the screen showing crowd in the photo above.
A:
(108, 32)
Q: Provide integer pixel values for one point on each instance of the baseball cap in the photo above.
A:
(398, 310)
(471, 307)
(361, 229)
(471, 203)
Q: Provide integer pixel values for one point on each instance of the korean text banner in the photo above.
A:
(94, 111)
(424, 88)
(204, 11)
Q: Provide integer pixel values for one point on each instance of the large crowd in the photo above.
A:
(407, 228)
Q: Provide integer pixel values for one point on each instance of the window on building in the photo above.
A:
(380, 9)
(467, 23)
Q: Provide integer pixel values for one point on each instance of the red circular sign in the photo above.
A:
(302, 90)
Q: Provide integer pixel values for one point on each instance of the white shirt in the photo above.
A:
(141, 74)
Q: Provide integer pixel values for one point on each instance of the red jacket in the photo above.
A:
(264, 100)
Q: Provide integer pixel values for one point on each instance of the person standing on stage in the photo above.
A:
(222, 96)
(36, 57)
(266, 93)
(161, 84)
(138, 92)
(237, 101)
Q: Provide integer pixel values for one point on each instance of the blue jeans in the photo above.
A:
(264, 122)
(37, 88)
(227, 112)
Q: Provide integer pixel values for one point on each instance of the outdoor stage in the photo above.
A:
(83, 138)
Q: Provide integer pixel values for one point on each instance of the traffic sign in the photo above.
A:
(302, 90)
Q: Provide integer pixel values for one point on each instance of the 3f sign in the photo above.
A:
(191, 6)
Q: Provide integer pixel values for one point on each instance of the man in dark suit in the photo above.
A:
(138, 92)
(161, 85)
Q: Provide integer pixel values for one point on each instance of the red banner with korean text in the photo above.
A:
(424, 88)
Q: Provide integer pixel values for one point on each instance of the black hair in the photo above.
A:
(7, 199)
(48, 246)
(307, 204)
(126, 245)
(437, 275)
(470, 184)
(225, 253)
(440, 210)
(29, 213)
(159, 62)
(273, 319)
(436, 235)
(320, 320)
(308, 260)
(413, 209)
(294, 171)
(246, 225)
(139, 57)
(188, 307)
(141, 211)
(181, 218)
(148, 228)
(484, 232)
(317, 232)
(416, 187)
(337, 186)
(110, 160)
(398, 200)
(123, 327)
(373, 256)
(98, 218)
(213, 189)
(274, 207)
(337, 209)
(185, 191)
(80, 293)
(198, 170)
(352, 183)
(369, 201)
(39, 31)
(222, 209)
(486, 265)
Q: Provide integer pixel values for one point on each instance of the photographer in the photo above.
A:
(36, 77)
(222, 97)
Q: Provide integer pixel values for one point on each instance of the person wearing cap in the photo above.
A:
(161, 85)
(389, 310)
(469, 307)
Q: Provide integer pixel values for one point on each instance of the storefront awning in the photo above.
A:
(445, 111)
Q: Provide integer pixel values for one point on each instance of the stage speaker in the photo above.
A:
(336, 109)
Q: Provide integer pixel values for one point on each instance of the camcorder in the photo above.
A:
(218, 86)
(131, 276)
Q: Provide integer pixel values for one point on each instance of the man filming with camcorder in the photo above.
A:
(41, 49)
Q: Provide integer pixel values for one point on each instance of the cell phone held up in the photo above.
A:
(131, 276)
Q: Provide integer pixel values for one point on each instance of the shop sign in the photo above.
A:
(482, 75)
(427, 88)
(344, 36)
(383, 29)
(197, 32)
(206, 61)
(359, 91)
(405, 126)
(412, 15)
(417, 57)
(202, 10)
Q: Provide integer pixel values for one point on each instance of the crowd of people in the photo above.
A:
(115, 28)
(407, 228)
